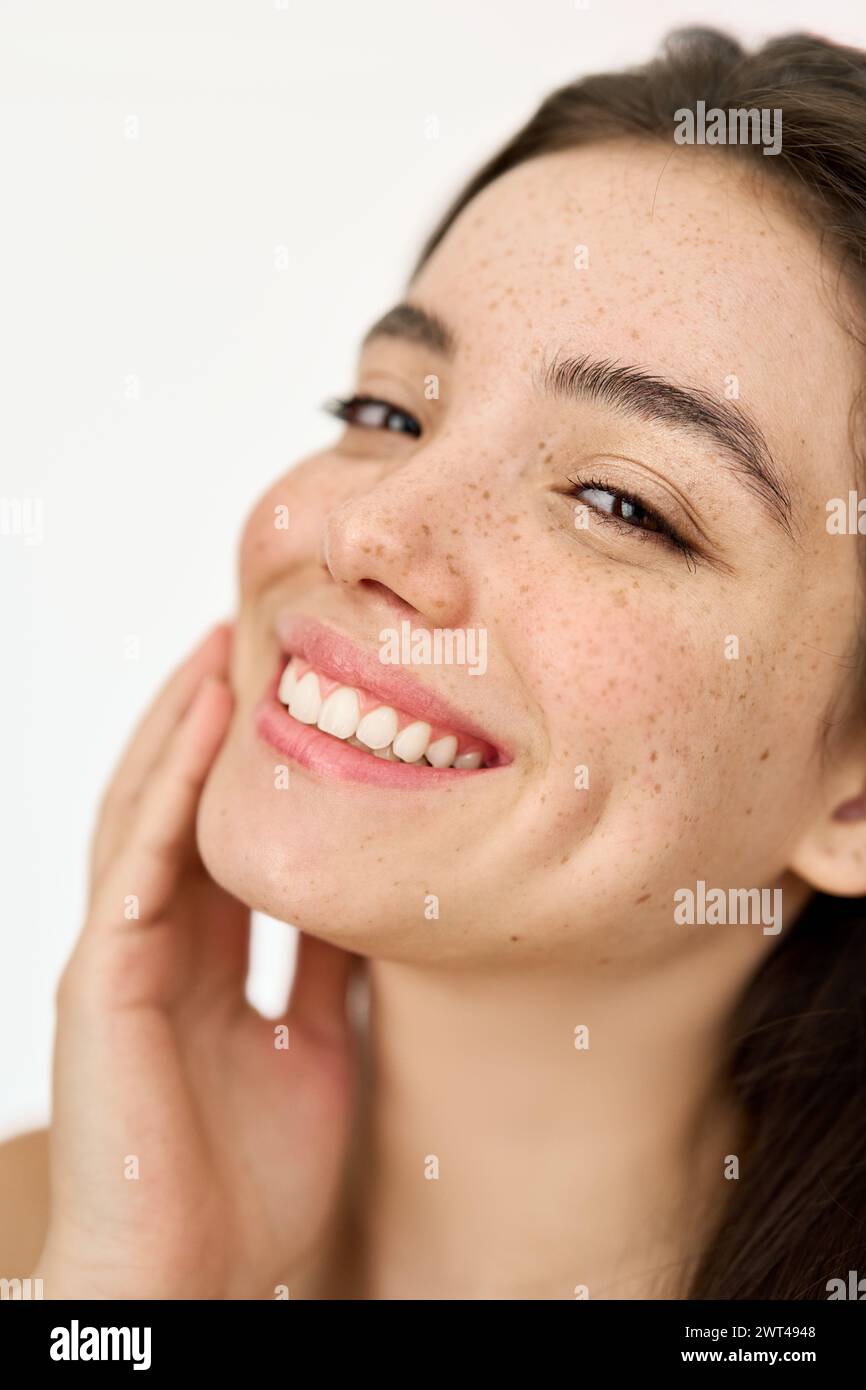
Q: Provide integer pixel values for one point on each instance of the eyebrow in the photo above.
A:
(646, 396)
(631, 390)
(414, 325)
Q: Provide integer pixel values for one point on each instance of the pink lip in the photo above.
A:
(341, 659)
(330, 757)
(338, 657)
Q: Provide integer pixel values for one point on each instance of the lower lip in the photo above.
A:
(331, 758)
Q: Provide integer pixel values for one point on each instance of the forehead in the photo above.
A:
(675, 259)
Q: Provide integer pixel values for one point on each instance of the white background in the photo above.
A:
(152, 263)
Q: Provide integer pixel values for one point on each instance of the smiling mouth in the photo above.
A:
(335, 709)
(358, 718)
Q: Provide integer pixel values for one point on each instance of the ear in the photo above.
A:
(831, 853)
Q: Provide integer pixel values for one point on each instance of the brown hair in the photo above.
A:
(796, 1058)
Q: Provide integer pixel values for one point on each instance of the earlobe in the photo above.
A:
(831, 855)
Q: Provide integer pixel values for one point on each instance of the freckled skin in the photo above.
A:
(604, 648)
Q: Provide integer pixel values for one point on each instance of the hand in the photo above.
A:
(190, 1156)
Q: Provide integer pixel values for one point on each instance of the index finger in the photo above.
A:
(209, 658)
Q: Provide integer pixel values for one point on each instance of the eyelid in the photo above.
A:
(643, 483)
(665, 533)
(402, 389)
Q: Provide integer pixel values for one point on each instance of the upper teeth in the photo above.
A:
(339, 714)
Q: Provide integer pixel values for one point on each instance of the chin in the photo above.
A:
(291, 868)
(341, 862)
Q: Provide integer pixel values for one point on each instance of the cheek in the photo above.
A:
(643, 695)
(263, 544)
(693, 756)
(284, 528)
(628, 705)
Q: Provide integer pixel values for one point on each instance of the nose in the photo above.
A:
(406, 536)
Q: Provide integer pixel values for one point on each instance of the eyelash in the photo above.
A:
(347, 409)
(661, 531)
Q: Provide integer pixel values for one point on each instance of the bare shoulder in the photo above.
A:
(23, 1202)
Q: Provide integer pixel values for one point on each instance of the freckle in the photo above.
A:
(764, 756)
(485, 494)
(637, 901)
(367, 549)
(511, 520)
(653, 756)
(749, 811)
(425, 528)
(565, 858)
(657, 787)
(515, 938)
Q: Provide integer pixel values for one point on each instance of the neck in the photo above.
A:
(495, 1159)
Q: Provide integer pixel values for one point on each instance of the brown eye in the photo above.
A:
(628, 513)
(371, 413)
(620, 505)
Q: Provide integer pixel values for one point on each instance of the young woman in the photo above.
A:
(605, 936)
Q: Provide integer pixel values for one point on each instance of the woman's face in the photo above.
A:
(665, 613)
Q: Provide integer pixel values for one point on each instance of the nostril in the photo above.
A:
(373, 586)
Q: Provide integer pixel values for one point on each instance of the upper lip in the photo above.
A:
(341, 658)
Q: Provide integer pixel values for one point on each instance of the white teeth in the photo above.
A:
(340, 716)
(411, 742)
(288, 682)
(379, 728)
(441, 753)
(340, 712)
(306, 700)
(468, 760)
